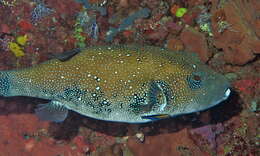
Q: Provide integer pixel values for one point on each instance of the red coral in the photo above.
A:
(83, 147)
(4, 28)
(25, 25)
(247, 86)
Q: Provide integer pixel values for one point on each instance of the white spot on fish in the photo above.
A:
(227, 93)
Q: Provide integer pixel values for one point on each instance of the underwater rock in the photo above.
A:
(195, 41)
(143, 13)
(175, 44)
(206, 136)
(235, 30)
(140, 137)
(164, 144)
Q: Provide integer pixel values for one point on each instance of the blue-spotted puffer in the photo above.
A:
(119, 83)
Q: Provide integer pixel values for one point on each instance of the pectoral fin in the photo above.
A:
(160, 95)
(52, 111)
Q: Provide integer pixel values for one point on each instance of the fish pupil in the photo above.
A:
(196, 78)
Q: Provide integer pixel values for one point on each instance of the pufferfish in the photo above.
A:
(122, 83)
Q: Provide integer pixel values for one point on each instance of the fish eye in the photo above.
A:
(194, 80)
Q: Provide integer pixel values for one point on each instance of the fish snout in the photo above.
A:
(222, 92)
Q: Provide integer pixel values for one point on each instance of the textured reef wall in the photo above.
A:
(224, 33)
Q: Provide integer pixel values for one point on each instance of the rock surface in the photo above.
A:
(236, 30)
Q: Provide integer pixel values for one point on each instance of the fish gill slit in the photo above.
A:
(164, 98)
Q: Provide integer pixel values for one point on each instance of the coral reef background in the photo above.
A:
(224, 33)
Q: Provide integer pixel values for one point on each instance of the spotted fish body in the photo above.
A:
(119, 83)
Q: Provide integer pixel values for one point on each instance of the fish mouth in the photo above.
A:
(225, 96)
(193, 109)
(219, 100)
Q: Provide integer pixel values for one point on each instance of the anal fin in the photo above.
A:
(52, 111)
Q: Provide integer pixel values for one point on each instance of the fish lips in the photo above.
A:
(218, 100)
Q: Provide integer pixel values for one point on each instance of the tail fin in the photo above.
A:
(4, 83)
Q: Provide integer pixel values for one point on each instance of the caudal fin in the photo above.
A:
(4, 83)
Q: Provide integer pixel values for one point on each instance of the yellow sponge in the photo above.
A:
(22, 40)
(16, 49)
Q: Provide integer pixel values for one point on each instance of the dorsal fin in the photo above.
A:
(65, 56)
